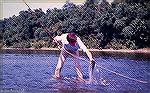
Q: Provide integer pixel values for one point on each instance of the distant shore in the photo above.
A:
(144, 50)
(140, 54)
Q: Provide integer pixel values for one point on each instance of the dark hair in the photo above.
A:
(71, 37)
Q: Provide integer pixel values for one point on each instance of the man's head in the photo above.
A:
(71, 38)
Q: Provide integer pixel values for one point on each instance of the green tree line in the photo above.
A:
(123, 24)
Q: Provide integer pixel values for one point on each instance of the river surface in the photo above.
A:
(32, 73)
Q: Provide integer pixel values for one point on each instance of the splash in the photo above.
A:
(93, 80)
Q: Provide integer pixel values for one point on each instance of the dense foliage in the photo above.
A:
(123, 25)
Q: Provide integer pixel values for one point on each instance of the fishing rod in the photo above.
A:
(27, 5)
(41, 24)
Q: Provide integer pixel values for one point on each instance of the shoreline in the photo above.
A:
(144, 50)
(140, 54)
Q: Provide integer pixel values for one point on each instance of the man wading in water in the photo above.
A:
(70, 44)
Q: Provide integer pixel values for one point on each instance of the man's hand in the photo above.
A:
(92, 64)
(54, 40)
(91, 69)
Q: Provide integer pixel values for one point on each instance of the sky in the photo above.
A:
(8, 8)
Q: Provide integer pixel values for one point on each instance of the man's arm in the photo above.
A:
(57, 41)
(84, 48)
(57, 38)
(89, 54)
(92, 62)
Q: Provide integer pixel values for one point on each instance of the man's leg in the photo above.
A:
(60, 63)
(78, 67)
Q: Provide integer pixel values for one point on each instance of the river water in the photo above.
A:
(32, 73)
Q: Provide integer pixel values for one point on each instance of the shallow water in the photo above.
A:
(32, 73)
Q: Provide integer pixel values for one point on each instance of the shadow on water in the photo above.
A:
(32, 73)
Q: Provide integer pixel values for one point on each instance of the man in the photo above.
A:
(70, 45)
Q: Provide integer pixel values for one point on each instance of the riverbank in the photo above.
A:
(144, 50)
(140, 54)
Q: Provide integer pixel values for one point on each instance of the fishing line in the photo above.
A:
(108, 69)
(121, 74)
